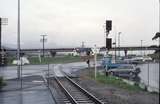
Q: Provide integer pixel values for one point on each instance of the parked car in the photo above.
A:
(126, 71)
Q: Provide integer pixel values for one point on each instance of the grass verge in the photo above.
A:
(2, 83)
(55, 60)
(50, 60)
(115, 81)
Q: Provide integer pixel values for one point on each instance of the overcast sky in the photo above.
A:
(69, 22)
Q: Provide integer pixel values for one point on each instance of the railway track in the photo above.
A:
(69, 92)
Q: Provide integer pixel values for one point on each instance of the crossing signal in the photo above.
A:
(108, 25)
(108, 43)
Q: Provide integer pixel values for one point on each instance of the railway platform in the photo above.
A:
(34, 91)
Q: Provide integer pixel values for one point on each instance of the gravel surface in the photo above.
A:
(112, 94)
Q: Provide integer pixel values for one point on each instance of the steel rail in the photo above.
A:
(88, 94)
(68, 95)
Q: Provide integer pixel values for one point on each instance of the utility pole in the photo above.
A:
(119, 33)
(43, 40)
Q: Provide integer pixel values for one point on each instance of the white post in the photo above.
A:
(39, 56)
(95, 64)
(95, 51)
(48, 69)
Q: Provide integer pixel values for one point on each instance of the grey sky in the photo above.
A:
(69, 22)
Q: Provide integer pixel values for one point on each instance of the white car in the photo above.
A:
(23, 59)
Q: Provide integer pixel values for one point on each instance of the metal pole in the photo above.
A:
(104, 36)
(43, 40)
(18, 41)
(115, 48)
(43, 46)
(48, 69)
(0, 31)
(21, 71)
(0, 40)
(119, 33)
(141, 48)
(106, 42)
(83, 45)
(159, 15)
(95, 61)
(159, 39)
(148, 74)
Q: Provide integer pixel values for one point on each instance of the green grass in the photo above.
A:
(155, 56)
(10, 60)
(115, 81)
(50, 60)
(2, 83)
(56, 60)
(46, 60)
